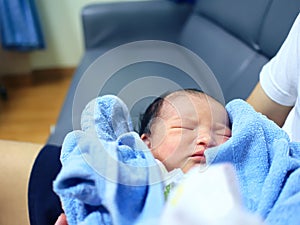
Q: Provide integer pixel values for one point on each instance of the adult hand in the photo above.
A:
(61, 220)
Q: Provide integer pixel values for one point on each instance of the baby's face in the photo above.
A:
(187, 125)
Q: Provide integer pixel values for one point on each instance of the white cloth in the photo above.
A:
(280, 79)
(208, 197)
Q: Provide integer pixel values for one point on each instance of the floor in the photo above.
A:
(33, 104)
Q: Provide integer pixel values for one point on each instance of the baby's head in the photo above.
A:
(178, 128)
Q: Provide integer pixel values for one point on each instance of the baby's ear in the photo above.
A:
(146, 139)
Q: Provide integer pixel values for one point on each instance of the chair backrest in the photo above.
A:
(237, 37)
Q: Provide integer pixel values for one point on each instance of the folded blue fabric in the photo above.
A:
(266, 162)
(108, 174)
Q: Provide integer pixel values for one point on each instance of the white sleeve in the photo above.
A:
(279, 77)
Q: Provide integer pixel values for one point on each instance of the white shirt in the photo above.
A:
(280, 79)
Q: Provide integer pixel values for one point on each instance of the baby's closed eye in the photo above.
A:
(221, 129)
(186, 124)
(223, 132)
(184, 127)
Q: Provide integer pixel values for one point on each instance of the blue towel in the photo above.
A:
(266, 162)
(108, 174)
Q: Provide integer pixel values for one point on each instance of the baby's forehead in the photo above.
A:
(179, 100)
(183, 100)
(187, 97)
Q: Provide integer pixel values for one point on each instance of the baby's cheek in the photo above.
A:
(166, 149)
(158, 133)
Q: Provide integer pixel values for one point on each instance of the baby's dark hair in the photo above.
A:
(154, 108)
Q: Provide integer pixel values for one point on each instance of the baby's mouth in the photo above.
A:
(199, 153)
(199, 156)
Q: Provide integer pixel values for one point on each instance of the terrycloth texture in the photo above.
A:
(108, 174)
(266, 162)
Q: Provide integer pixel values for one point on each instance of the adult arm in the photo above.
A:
(262, 103)
(277, 91)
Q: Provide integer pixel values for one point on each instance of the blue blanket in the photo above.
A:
(108, 175)
(266, 162)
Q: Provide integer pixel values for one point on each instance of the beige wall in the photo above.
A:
(61, 25)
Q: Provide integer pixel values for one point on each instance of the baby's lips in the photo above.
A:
(199, 152)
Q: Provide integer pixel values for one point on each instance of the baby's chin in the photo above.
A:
(192, 163)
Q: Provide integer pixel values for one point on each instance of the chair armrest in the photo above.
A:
(112, 24)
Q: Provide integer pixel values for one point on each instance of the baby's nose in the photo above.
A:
(206, 139)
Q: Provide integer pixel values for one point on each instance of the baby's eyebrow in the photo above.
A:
(180, 120)
(219, 125)
(191, 122)
(189, 119)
